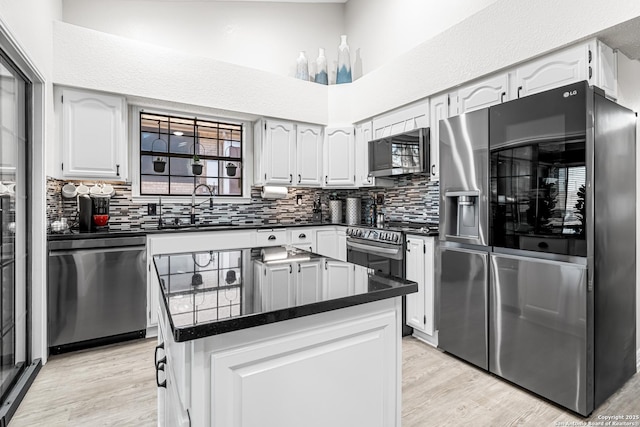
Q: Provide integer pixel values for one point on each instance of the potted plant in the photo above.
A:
(159, 164)
(196, 165)
(231, 169)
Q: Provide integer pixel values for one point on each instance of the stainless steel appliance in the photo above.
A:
(464, 236)
(400, 154)
(545, 295)
(562, 295)
(381, 250)
(96, 291)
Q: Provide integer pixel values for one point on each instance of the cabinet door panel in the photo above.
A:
(309, 155)
(439, 111)
(555, 70)
(364, 134)
(308, 282)
(93, 135)
(278, 289)
(484, 93)
(279, 152)
(415, 271)
(339, 165)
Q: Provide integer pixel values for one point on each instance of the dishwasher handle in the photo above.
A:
(98, 250)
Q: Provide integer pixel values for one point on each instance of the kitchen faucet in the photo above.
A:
(193, 200)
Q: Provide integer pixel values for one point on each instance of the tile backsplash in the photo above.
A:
(412, 198)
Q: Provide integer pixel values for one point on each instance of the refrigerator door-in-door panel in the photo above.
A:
(463, 304)
(464, 178)
(538, 328)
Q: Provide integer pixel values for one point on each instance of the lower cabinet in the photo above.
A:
(284, 285)
(419, 259)
(332, 242)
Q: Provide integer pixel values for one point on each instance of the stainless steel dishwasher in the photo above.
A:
(96, 291)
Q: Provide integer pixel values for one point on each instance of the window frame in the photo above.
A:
(134, 153)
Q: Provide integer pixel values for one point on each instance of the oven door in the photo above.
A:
(538, 174)
(383, 258)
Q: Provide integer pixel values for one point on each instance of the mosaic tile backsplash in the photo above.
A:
(412, 199)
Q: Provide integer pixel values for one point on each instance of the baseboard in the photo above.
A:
(428, 339)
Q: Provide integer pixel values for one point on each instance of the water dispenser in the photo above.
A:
(462, 212)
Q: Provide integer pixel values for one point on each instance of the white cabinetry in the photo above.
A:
(440, 109)
(364, 134)
(420, 313)
(339, 157)
(308, 281)
(277, 287)
(592, 61)
(288, 154)
(404, 119)
(303, 238)
(338, 279)
(332, 242)
(93, 135)
(483, 93)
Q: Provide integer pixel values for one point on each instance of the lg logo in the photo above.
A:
(568, 94)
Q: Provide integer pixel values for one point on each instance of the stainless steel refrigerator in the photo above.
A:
(560, 301)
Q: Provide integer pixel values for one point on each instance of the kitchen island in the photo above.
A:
(277, 337)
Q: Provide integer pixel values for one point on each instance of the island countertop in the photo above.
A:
(219, 291)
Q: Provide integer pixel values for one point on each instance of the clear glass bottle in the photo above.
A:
(302, 67)
(321, 67)
(344, 62)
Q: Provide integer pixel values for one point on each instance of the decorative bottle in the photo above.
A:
(321, 66)
(302, 67)
(344, 62)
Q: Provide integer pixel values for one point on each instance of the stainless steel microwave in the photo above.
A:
(400, 154)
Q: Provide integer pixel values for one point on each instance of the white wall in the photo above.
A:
(380, 30)
(629, 96)
(29, 24)
(265, 36)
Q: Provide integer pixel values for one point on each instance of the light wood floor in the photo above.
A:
(115, 386)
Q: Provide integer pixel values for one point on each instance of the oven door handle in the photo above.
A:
(374, 249)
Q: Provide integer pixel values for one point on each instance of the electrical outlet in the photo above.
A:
(151, 209)
(380, 199)
(298, 199)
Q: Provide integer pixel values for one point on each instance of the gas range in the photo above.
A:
(391, 233)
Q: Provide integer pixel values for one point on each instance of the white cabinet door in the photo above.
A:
(605, 69)
(339, 158)
(551, 71)
(327, 243)
(338, 279)
(308, 282)
(407, 118)
(308, 155)
(341, 235)
(278, 287)
(279, 152)
(415, 269)
(364, 134)
(420, 265)
(439, 111)
(484, 93)
(93, 135)
(303, 238)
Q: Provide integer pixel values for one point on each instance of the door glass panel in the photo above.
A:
(13, 208)
(538, 197)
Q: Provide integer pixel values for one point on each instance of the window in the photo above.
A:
(170, 146)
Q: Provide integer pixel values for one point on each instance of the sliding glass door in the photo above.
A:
(14, 327)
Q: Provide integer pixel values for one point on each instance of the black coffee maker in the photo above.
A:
(94, 212)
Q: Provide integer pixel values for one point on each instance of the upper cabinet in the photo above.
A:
(592, 61)
(404, 119)
(288, 154)
(93, 135)
(364, 134)
(441, 108)
(339, 157)
(483, 93)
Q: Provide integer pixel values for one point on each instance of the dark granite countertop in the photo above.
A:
(215, 292)
(76, 234)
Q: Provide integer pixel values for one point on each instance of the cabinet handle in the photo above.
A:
(155, 356)
(519, 90)
(298, 268)
(160, 367)
(325, 265)
(299, 178)
(326, 179)
(265, 176)
(290, 178)
(290, 269)
(117, 170)
(271, 237)
(433, 170)
(302, 236)
(590, 72)
(502, 95)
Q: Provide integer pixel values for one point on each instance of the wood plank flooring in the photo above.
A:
(115, 386)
